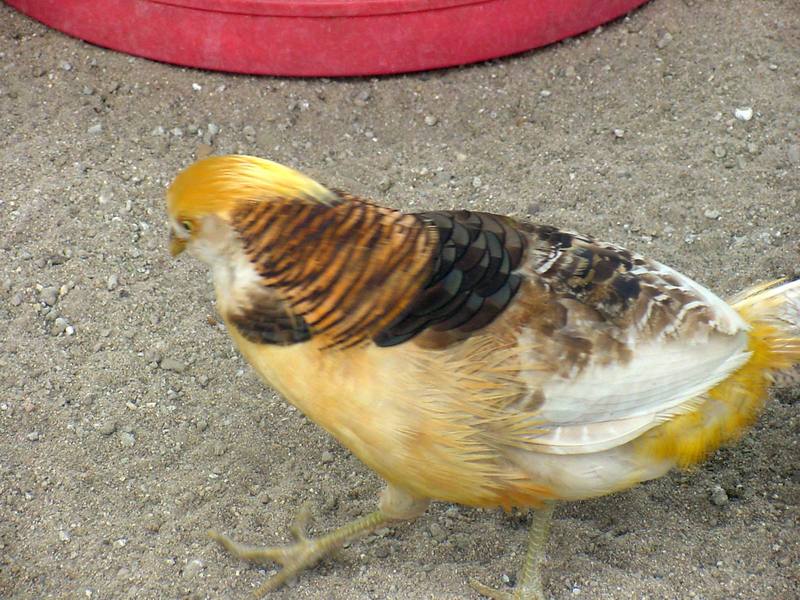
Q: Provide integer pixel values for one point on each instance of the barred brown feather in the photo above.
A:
(346, 269)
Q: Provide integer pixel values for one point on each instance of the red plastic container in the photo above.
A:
(323, 37)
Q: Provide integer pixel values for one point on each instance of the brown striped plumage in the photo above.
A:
(347, 270)
(469, 357)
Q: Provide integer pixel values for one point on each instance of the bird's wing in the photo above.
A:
(604, 343)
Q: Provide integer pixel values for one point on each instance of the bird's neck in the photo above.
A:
(345, 271)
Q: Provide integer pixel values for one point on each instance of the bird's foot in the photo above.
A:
(521, 592)
(294, 558)
(305, 552)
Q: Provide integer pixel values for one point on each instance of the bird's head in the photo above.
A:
(210, 191)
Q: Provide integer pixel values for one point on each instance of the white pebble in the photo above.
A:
(744, 113)
(197, 87)
(193, 568)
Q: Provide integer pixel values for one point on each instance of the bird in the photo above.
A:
(473, 358)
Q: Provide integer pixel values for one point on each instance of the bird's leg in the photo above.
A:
(529, 581)
(305, 552)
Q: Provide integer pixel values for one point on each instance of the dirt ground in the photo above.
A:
(129, 425)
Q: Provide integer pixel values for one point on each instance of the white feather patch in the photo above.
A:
(606, 406)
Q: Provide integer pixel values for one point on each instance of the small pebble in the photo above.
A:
(96, 128)
(664, 40)
(127, 439)
(153, 523)
(65, 65)
(361, 98)
(16, 299)
(476, 182)
(59, 326)
(107, 427)
(49, 295)
(326, 458)
(33, 436)
(193, 568)
(170, 364)
(218, 448)
(545, 93)
(437, 532)
(64, 535)
(430, 120)
(744, 113)
(212, 129)
(711, 214)
(177, 132)
(249, 133)
(461, 157)
(197, 87)
(719, 496)
(385, 184)
(719, 151)
(112, 282)
(619, 133)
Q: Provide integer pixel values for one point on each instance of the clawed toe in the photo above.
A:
(294, 558)
(305, 552)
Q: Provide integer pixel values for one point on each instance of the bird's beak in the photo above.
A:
(176, 244)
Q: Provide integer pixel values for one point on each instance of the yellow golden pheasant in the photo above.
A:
(473, 358)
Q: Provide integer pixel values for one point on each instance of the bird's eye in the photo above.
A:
(187, 225)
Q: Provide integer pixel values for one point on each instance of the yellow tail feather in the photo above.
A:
(773, 313)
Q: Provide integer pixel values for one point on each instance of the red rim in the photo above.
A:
(323, 37)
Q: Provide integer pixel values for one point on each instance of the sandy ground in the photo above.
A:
(129, 425)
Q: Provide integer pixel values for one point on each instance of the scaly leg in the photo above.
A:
(529, 582)
(305, 552)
